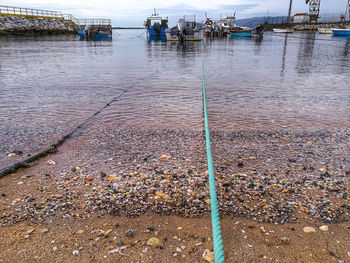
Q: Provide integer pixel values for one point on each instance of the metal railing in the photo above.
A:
(92, 21)
(29, 12)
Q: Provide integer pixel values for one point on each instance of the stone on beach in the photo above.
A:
(323, 228)
(208, 256)
(309, 229)
(153, 242)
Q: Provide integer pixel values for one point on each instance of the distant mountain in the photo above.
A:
(254, 21)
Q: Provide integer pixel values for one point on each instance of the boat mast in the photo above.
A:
(290, 11)
(347, 12)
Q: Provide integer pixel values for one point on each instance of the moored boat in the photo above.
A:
(208, 27)
(156, 27)
(325, 30)
(187, 29)
(341, 32)
(96, 32)
(283, 30)
(223, 26)
(240, 32)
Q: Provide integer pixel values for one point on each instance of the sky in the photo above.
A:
(134, 12)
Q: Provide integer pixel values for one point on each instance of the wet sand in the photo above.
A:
(270, 185)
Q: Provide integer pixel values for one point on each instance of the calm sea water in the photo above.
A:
(50, 84)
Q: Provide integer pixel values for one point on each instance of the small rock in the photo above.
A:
(178, 249)
(179, 228)
(162, 195)
(44, 230)
(75, 252)
(108, 232)
(116, 250)
(30, 231)
(240, 164)
(80, 231)
(51, 162)
(129, 233)
(103, 175)
(249, 245)
(12, 155)
(323, 228)
(309, 229)
(153, 242)
(349, 254)
(150, 229)
(285, 240)
(54, 248)
(165, 157)
(208, 255)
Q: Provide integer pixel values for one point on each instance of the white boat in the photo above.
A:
(186, 30)
(325, 31)
(283, 30)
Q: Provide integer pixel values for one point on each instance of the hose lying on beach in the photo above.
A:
(215, 220)
(53, 148)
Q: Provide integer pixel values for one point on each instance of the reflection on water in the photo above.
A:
(297, 81)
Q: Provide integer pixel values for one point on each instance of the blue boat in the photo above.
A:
(156, 27)
(341, 32)
(243, 34)
(102, 36)
(237, 31)
(96, 32)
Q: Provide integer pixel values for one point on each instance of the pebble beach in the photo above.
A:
(282, 181)
(130, 183)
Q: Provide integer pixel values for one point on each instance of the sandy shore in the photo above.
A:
(77, 205)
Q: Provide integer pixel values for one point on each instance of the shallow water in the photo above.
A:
(48, 85)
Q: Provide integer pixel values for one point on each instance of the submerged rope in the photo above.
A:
(215, 220)
(54, 147)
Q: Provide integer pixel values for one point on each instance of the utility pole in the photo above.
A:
(290, 11)
(347, 12)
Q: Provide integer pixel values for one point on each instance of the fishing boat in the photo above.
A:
(341, 32)
(223, 26)
(208, 27)
(156, 27)
(236, 31)
(96, 32)
(241, 32)
(187, 29)
(283, 30)
(325, 30)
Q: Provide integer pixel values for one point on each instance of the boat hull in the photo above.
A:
(197, 36)
(278, 30)
(243, 34)
(341, 32)
(102, 36)
(325, 31)
(154, 36)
